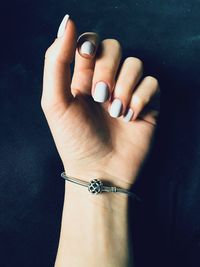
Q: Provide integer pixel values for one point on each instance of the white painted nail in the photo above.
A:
(115, 108)
(101, 92)
(87, 48)
(62, 26)
(128, 116)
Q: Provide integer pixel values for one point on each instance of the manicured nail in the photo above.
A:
(87, 48)
(128, 116)
(62, 26)
(101, 92)
(87, 44)
(115, 108)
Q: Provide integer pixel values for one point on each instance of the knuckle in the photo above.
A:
(114, 43)
(52, 52)
(153, 81)
(129, 60)
(48, 51)
(135, 63)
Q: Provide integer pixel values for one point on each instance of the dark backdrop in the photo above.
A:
(166, 36)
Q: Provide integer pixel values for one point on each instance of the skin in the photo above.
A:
(92, 144)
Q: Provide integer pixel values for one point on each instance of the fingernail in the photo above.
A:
(101, 92)
(87, 48)
(128, 116)
(87, 44)
(62, 26)
(116, 108)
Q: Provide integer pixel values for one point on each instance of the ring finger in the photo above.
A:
(129, 76)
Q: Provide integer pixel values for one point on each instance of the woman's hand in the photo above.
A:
(102, 123)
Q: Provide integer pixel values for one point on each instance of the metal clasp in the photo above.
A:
(113, 189)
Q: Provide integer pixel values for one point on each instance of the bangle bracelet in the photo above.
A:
(96, 186)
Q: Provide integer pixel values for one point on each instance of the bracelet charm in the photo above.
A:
(95, 186)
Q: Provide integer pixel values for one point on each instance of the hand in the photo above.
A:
(94, 135)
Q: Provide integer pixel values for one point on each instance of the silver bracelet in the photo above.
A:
(96, 186)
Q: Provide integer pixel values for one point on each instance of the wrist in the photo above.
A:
(106, 200)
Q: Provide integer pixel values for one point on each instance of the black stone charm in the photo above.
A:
(95, 186)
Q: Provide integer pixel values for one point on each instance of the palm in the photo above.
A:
(88, 138)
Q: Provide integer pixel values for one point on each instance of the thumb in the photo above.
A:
(56, 78)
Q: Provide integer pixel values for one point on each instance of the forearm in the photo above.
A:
(94, 230)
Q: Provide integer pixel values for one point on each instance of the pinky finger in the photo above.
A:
(147, 91)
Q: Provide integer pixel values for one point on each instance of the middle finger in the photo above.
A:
(105, 70)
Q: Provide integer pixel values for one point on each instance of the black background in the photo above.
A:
(166, 36)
